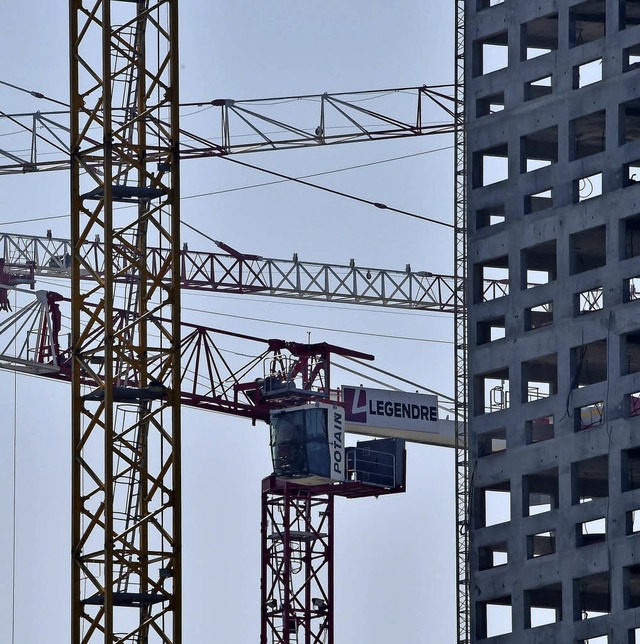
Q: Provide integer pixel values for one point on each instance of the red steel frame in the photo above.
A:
(296, 590)
(296, 586)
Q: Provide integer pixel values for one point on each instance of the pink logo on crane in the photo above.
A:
(356, 404)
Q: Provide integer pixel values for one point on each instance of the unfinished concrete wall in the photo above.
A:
(553, 113)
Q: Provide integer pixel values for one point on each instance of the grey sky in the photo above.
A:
(395, 557)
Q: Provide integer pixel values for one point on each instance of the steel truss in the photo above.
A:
(236, 272)
(297, 565)
(212, 377)
(251, 125)
(296, 585)
(29, 337)
(248, 125)
(126, 577)
(460, 324)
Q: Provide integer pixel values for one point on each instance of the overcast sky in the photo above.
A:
(395, 557)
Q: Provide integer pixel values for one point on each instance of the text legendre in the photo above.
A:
(403, 410)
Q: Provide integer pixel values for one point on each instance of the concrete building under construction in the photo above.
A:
(553, 107)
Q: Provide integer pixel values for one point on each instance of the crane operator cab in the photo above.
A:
(307, 443)
(308, 446)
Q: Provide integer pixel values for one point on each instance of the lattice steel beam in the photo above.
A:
(252, 125)
(460, 324)
(126, 577)
(235, 272)
(297, 564)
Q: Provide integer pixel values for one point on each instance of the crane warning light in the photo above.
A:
(307, 444)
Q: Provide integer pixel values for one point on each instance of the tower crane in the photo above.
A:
(126, 319)
(209, 382)
(297, 520)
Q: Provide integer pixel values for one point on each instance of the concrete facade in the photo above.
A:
(553, 118)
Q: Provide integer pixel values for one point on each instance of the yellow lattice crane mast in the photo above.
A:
(126, 431)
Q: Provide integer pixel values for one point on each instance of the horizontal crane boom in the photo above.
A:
(267, 374)
(38, 141)
(235, 272)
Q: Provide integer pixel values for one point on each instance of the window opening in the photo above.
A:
(588, 301)
(492, 442)
(589, 363)
(631, 236)
(591, 532)
(633, 521)
(539, 149)
(586, 188)
(539, 201)
(494, 617)
(541, 544)
(588, 134)
(491, 330)
(587, 21)
(631, 173)
(493, 504)
(630, 347)
(631, 590)
(490, 104)
(539, 429)
(492, 391)
(493, 555)
(590, 479)
(602, 639)
(588, 416)
(492, 279)
(490, 216)
(587, 73)
(491, 166)
(633, 403)
(629, 13)
(543, 605)
(536, 317)
(588, 249)
(631, 290)
(630, 121)
(631, 58)
(541, 492)
(539, 36)
(491, 53)
(630, 469)
(540, 377)
(539, 264)
(591, 596)
(538, 88)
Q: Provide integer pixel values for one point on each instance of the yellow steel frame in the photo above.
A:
(126, 577)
